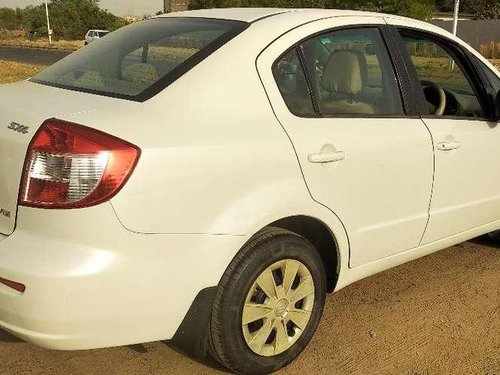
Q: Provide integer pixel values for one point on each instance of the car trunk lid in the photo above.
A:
(23, 108)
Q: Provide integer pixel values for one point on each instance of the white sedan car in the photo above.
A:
(207, 177)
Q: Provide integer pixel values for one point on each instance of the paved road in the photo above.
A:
(437, 315)
(32, 56)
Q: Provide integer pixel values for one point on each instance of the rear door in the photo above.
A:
(333, 87)
(467, 183)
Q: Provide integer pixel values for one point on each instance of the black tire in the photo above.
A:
(227, 342)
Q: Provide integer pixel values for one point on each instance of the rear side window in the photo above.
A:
(292, 84)
(352, 73)
(138, 61)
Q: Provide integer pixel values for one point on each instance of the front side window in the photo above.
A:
(446, 86)
(140, 60)
(493, 78)
(352, 74)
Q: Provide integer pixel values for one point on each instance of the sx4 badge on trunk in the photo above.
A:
(18, 128)
(4, 212)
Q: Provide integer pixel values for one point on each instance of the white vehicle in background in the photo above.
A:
(207, 177)
(94, 34)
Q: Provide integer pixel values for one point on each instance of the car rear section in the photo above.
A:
(78, 272)
(45, 161)
(22, 112)
(13, 145)
(71, 275)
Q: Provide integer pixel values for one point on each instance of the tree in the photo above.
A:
(485, 9)
(422, 9)
(9, 18)
(34, 19)
(70, 19)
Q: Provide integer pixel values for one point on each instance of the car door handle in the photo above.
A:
(448, 146)
(326, 157)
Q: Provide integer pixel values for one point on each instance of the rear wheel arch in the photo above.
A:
(320, 235)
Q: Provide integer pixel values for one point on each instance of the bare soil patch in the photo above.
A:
(437, 315)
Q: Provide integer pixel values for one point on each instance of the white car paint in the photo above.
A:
(465, 193)
(368, 190)
(214, 170)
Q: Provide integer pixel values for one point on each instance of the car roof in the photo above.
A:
(256, 14)
(103, 31)
(289, 18)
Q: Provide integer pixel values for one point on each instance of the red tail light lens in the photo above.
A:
(72, 166)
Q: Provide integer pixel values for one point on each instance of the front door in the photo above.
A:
(467, 146)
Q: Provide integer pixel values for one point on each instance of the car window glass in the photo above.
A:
(160, 57)
(492, 77)
(292, 84)
(437, 67)
(129, 61)
(352, 73)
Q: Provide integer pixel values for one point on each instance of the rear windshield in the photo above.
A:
(139, 60)
(102, 33)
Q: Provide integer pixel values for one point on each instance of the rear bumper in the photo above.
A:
(90, 283)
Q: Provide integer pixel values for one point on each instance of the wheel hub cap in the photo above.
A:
(278, 307)
(281, 308)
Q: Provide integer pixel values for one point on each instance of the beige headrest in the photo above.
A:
(342, 74)
(144, 74)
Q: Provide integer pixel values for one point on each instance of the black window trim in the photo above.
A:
(491, 93)
(405, 72)
(296, 49)
(459, 54)
(175, 74)
(312, 94)
(408, 104)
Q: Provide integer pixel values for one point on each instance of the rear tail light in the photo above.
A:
(72, 166)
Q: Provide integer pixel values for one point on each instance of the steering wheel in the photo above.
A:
(442, 96)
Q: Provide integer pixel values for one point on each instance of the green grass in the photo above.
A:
(13, 72)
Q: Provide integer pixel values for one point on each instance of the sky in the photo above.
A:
(119, 7)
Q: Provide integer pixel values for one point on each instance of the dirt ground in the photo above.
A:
(437, 315)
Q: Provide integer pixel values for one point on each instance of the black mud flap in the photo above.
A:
(192, 335)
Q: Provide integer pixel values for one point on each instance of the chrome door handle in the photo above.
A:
(448, 146)
(326, 157)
